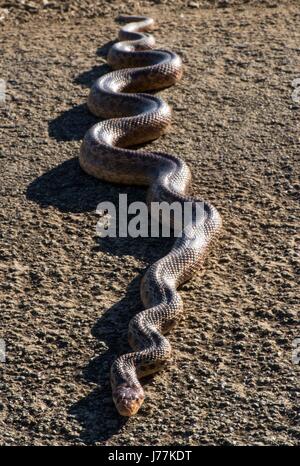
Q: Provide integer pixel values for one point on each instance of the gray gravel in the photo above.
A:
(66, 298)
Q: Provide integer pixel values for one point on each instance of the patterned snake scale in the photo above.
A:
(133, 117)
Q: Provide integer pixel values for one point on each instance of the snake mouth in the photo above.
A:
(128, 399)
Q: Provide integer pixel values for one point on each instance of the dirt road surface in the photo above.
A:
(67, 298)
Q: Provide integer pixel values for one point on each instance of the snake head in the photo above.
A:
(128, 399)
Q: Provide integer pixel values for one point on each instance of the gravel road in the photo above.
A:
(67, 297)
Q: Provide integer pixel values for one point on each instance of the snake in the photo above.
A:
(129, 116)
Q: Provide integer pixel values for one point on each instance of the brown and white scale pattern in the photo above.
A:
(133, 117)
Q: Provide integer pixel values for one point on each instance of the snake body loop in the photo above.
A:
(133, 117)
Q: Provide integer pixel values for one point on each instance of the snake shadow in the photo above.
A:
(72, 124)
(96, 412)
